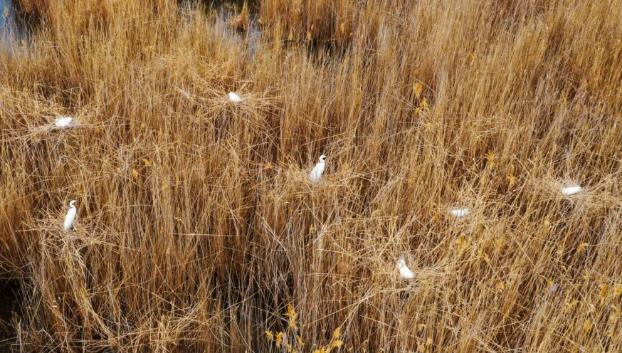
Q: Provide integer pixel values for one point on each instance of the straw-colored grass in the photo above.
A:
(197, 225)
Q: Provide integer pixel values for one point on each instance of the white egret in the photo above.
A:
(318, 170)
(571, 190)
(460, 212)
(234, 97)
(70, 217)
(405, 272)
(63, 122)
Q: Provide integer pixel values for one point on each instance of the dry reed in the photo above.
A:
(197, 225)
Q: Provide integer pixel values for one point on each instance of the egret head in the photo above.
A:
(322, 158)
(400, 262)
(72, 203)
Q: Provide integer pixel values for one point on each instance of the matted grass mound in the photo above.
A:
(198, 229)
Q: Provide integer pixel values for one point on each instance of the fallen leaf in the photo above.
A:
(418, 87)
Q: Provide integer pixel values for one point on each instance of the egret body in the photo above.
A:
(70, 217)
(460, 212)
(234, 97)
(318, 170)
(63, 122)
(571, 190)
(405, 272)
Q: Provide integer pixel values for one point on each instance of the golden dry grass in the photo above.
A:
(197, 226)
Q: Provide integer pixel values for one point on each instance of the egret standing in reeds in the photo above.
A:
(234, 97)
(63, 122)
(405, 272)
(571, 190)
(70, 217)
(318, 170)
(460, 212)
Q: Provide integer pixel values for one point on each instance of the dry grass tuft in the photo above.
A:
(197, 225)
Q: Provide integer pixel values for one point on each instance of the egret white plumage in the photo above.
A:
(318, 170)
(63, 122)
(234, 97)
(571, 190)
(70, 217)
(405, 272)
(460, 212)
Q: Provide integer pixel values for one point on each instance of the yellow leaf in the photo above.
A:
(499, 286)
(587, 325)
(549, 283)
(147, 162)
(418, 87)
(511, 180)
(490, 159)
(461, 243)
(269, 336)
(336, 344)
(617, 290)
(604, 290)
(337, 333)
(134, 173)
(571, 304)
(279, 339)
(581, 248)
(291, 314)
(424, 104)
(342, 28)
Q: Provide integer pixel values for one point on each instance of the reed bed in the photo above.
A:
(198, 230)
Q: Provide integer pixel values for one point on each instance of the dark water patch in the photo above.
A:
(235, 22)
(248, 31)
(215, 4)
(8, 21)
(239, 21)
(15, 24)
(9, 300)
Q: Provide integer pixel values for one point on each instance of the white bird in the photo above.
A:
(460, 212)
(571, 190)
(318, 170)
(234, 97)
(63, 122)
(405, 272)
(70, 217)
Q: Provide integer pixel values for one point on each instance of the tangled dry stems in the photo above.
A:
(197, 225)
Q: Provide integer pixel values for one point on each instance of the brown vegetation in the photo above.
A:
(197, 225)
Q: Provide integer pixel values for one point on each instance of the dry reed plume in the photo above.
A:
(197, 226)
